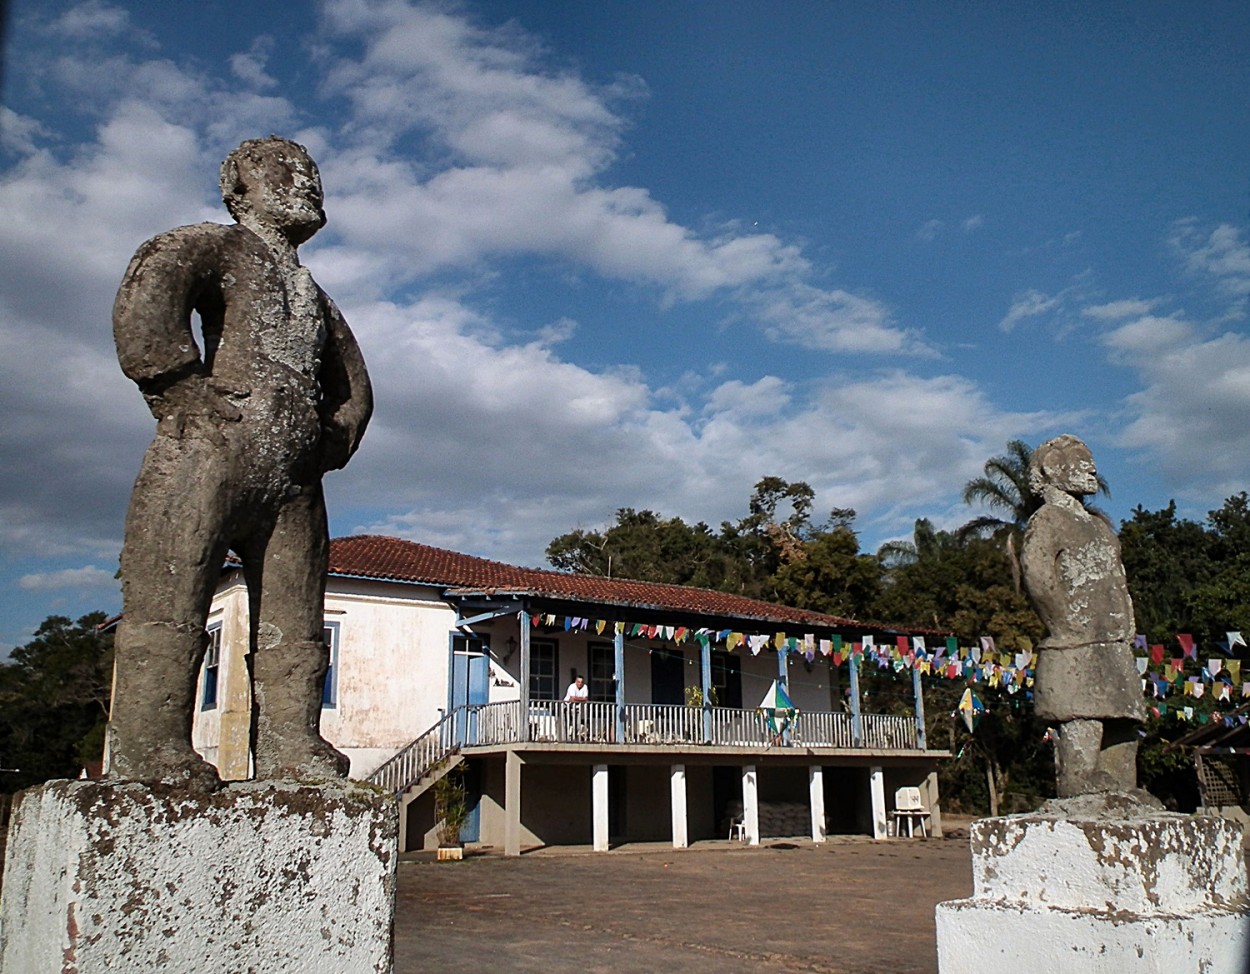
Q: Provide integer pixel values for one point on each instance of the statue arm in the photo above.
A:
(347, 396)
(170, 276)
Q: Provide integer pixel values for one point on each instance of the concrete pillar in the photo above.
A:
(677, 786)
(876, 790)
(404, 804)
(751, 804)
(599, 806)
(933, 802)
(816, 791)
(274, 876)
(512, 805)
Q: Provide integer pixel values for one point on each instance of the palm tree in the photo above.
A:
(1005, 487)
(926, 545)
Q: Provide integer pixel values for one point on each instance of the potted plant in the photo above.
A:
(450, 811)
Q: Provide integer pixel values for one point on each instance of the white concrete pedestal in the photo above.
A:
(261, 876)
(1144, 892)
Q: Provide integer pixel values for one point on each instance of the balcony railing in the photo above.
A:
(557, 722)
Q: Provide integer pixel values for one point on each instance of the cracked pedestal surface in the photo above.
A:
(268, 876)
(1075, 889)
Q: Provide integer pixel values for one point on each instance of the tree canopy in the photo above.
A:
(54, 701)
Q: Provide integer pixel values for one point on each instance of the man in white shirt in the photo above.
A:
(577, 692)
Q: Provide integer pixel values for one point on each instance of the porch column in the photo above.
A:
(677, 786)
(618, 664)
(857, 721)
(918, 689)
(512, 805)
(750, 805)
(599, 806)
(525, 674)
(705, 657)
(403, 825)
(933, 802)
(876, 789)
(816, 790)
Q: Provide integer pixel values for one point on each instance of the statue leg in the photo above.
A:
(289, 656)
(1077, 746)
(171, 561)
(1117, 761)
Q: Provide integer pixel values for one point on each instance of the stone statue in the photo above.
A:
(1086, 678)
(246, 425)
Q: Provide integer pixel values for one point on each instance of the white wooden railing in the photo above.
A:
(557, 722)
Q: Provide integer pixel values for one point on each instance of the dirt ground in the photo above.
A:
(848, 906)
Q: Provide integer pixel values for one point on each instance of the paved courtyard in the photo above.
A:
(850, 906)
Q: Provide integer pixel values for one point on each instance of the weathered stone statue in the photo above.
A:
(1086, 679)
(246, 426)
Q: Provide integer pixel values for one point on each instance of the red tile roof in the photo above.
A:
(393, 559)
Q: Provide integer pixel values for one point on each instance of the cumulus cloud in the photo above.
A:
(1189, 417)
(544, 444)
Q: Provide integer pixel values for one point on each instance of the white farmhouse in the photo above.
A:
(440, 659)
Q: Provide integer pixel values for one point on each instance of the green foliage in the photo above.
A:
(451, 808)
(644, 546)
(829, 575)
(54, 701)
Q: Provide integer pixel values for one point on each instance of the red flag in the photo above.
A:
(903, 646)
(1156, 653)
(1187, 645)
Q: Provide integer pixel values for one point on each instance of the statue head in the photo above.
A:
(274, 182)
(1064, 463)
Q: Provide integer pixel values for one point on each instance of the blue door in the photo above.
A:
(470, 689)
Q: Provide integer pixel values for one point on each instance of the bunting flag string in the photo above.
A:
(1162, 673)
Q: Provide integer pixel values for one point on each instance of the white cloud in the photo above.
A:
(249, 66)
(974, 222)
(91, 20)
(1222, 255)
(1029, 304)
(1189, 417)
(929, 230)
(1117, 310)
(87, 577)
(542, 444)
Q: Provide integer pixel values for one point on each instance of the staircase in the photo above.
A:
(419, 765)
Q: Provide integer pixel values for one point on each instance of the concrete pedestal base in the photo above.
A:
(262, 876)
(1147, 892)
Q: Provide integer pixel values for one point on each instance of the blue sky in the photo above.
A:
(644, 253)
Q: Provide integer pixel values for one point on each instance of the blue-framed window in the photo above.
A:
(212, 668)
(543, 654)
(330, 693)
(602, 672)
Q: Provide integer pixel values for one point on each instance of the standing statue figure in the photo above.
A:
(1086, 677)
(246, 426)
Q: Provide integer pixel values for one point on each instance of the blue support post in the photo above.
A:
(857, 720)
(524, 618)
(918, 689)
(705, 657)
(618, 664)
